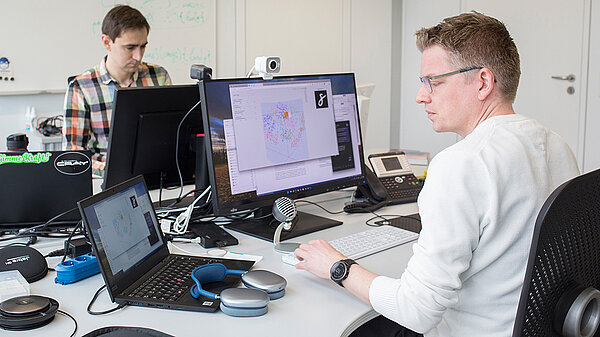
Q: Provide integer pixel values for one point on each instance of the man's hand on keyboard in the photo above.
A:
(317, 257)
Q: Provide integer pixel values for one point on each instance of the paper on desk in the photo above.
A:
(242, 256)
(221, 253)
(415, 157)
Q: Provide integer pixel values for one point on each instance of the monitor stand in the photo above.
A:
(264, 227)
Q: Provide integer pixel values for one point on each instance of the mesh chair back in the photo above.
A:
(565, 252)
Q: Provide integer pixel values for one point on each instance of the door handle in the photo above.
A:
(570, 78)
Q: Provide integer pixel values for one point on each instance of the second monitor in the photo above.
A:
(291, 136)
(143, 136)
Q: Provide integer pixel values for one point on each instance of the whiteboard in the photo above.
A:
(48, 41)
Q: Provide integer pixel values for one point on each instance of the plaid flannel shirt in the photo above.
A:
(88, 108)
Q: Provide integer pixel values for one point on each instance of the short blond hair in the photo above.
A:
(475, 39)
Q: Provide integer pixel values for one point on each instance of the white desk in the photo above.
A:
(310, 307)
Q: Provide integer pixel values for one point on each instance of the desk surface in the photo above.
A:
(310, 307)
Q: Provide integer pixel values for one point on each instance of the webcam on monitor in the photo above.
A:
(266, 66)
(200, 72)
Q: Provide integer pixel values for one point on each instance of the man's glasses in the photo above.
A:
(427, 80)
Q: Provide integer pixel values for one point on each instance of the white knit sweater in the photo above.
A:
(478, 209)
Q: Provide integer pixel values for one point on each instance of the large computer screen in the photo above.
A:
(143, 135)
(292, 136)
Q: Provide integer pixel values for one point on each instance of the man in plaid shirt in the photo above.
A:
(89, 98)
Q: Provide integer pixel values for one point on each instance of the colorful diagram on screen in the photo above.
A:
(122, 226)
(285, 131)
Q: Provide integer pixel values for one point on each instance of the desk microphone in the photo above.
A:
(284, 211)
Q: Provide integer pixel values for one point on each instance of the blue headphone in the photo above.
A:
(261, 286)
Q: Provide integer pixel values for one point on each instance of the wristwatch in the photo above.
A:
(340, 270)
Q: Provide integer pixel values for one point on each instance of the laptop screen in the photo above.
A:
(123, 226)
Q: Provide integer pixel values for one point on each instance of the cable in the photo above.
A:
(161, 180)
(177, 148)
(73, 318)
(30, 230)
(181, 197)
(180, 225)
(321, 207)
(250, 72)
(54, 253)
(375, 217)
(69, 240)
(95, 313)
(48, 126)
(383, 217)
(26, 231)
(243, 215)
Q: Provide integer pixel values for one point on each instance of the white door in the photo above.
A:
(550, 39)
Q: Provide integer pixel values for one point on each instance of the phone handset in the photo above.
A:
(373, 190)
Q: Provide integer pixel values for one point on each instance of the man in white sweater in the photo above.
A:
(481, 197)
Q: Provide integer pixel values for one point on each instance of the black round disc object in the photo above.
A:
(27, 312)
(28, 261)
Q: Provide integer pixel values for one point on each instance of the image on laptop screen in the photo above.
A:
(124, 227)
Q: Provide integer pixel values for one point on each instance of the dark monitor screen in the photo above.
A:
(291, 136)
(143, 135)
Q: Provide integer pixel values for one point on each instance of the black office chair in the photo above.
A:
(559, 296)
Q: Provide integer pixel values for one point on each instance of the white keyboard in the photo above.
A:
(365, 243)
(372, 241)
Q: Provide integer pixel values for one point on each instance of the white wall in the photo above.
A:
(342, 36)
(415, 129)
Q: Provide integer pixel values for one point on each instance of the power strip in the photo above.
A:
(76, 269)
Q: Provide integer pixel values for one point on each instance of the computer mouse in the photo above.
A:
(357, 207)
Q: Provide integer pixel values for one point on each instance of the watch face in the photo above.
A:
(339, 270)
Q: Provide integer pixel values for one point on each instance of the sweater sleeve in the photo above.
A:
(452, 205)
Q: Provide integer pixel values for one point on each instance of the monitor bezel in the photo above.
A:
(254, 202)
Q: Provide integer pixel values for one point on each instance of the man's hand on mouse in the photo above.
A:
(317, 257)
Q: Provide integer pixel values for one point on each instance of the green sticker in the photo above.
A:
(25, 158)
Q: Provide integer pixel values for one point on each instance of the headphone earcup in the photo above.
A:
(276, 295)
(243, 312)
(273, 284)
(244, 302)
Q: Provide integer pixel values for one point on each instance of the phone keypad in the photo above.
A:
(403, 188)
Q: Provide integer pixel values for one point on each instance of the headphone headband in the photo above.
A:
(208, 273)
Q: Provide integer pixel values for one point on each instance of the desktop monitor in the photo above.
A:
(293, 136)
(143, 135)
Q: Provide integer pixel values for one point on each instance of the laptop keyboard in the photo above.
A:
(172, 280)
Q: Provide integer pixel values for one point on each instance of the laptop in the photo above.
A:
(133, 255)
(37, 186)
